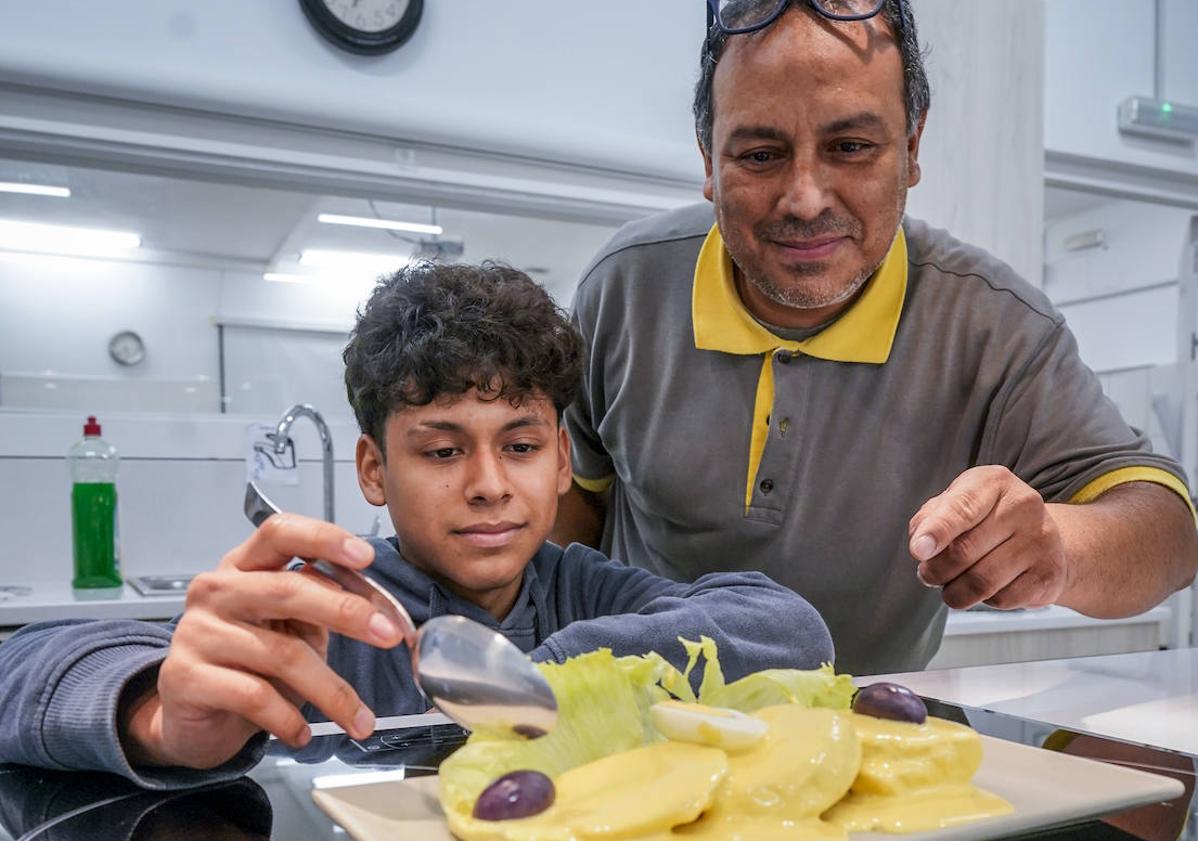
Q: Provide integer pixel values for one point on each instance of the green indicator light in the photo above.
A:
(1167, 107)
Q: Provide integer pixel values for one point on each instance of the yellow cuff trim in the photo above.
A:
(595, 486)
(1097, 487)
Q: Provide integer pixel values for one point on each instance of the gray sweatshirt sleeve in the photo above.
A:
(60, 687)
(757, 623)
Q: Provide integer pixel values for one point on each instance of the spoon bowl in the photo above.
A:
(472, 674)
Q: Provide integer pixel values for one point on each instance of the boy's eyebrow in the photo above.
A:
(450, 426)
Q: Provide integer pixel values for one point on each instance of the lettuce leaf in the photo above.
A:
(603, 708)
(820, 687)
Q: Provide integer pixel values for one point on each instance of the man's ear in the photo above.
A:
(913, 171)
(565, 469)
(708, 190)
(369, 459)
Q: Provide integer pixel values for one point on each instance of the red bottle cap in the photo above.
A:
(91, 429)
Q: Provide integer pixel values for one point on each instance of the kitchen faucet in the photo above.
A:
(281, 437)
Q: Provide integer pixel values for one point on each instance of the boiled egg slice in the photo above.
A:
(715, 727)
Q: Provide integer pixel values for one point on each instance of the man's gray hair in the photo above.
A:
(899, 18)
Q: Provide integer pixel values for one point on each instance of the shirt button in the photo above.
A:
(767, 485)
(784, 356)
(783, 425)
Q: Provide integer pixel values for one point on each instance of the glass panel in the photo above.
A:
(849, 8)
(745, 14)
(284, 271)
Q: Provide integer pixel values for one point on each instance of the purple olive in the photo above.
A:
(892, 701)
(517, 794)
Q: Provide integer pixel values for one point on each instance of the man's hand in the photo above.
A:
(989, 538)
(251, 648)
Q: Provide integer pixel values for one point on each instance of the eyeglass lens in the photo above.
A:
(740, 15)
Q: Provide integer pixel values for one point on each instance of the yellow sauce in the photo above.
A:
(816, 774)
(634, 794)
(915, 777)
(778, 788)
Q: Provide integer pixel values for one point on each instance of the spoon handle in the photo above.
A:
(369, 589)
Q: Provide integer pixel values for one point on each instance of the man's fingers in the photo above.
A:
(985, 578)
(298, 669)
(257, 597)
(283, 537)
(1029, 589)
(967, 501)
(964, 551)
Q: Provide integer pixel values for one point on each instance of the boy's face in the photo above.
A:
(472, 487)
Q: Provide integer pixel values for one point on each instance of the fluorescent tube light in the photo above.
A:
(353, 262)
(385, 224)
(34, 189)
(64, 239)
(283, 277)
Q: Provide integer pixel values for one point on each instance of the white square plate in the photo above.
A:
(1046, 788)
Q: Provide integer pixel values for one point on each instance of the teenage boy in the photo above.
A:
(458, 376)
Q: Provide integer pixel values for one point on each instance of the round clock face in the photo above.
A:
(368, 15)
(127, 348)
(365, 26)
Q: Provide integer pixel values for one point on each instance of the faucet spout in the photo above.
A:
(282, 435)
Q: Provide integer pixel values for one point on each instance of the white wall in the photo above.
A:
(1099, 54)
(58, 313)
(605, 84)
(982, 152)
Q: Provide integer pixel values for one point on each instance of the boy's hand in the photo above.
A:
(250, 648)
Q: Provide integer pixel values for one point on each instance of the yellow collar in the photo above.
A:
(864, 333)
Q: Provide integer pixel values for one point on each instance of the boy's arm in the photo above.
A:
(61, 689)
(757, 623)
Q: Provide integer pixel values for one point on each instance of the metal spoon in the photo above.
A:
(474, 675)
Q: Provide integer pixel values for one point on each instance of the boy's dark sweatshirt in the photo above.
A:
(60, 682)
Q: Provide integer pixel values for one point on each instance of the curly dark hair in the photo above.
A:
(431, 330)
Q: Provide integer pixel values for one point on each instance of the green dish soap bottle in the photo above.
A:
(93, 464)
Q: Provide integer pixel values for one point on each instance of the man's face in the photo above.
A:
(810, 161)
(472, 487)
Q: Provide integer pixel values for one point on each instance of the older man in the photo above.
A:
(882, 417)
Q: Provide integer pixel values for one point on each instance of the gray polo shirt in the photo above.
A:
(727, 447)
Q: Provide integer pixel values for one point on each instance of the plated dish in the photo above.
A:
(778, 754)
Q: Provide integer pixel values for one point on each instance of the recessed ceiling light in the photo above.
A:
(385, 224)
(284, 277)
(34, 189)
(64, 239)
(355, 262)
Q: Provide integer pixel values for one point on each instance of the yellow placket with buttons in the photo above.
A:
(865, 333)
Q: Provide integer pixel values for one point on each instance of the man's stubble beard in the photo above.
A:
(802, 297)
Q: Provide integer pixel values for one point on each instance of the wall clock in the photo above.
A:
(127, 348)
(367, 27)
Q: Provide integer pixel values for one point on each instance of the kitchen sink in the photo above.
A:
(160, 585)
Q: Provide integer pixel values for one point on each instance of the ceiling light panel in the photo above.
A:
(34, 189)
(63, 239)
(383, 224)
